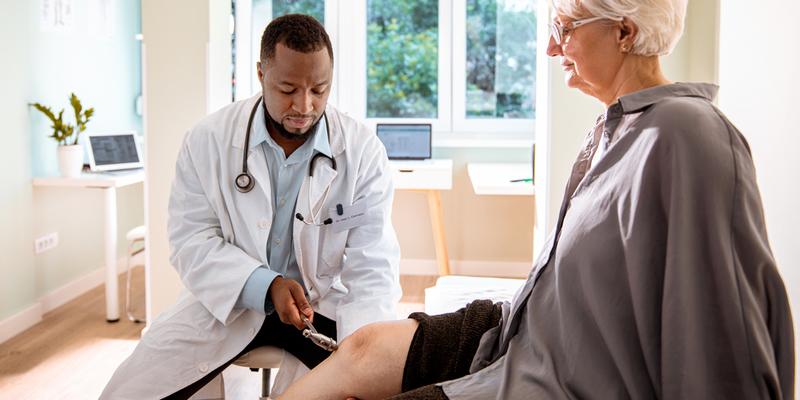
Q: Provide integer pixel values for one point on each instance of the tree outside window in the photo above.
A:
(501, 58)
(402, 58)
(314, 8)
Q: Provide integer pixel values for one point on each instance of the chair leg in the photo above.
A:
(131, 317)
(265, 389)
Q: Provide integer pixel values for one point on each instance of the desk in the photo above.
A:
(495, 179)
(428, 176)
(108, 184)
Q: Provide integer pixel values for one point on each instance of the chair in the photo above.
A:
(264, 358)
(135, 235)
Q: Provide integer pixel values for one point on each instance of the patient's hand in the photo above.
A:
(289, 301)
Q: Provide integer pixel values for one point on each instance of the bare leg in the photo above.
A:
(368, 365)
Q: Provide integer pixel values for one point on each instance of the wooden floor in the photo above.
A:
(72, 353)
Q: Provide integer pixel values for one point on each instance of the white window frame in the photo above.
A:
(353, 67)
(508, 128)
(247, 52)
(346, 22)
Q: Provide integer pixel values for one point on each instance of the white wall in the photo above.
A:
(101, 67)
(18, 286)
(759, 61)
(182, 79)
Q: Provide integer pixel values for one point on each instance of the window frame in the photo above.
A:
(346, 22)
(247, 51)
(355, 60)
(511, 128)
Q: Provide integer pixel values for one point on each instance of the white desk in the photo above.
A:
(108, 184)
(428, 176)
(495, 179)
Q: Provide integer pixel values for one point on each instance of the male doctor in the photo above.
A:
(280, 209)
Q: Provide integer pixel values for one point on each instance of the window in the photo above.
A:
(314, 8)
(500, 59)
(250, 19)
(402, 58)
(494, 66)
(465, 66)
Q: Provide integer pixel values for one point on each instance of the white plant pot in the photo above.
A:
(70, 160)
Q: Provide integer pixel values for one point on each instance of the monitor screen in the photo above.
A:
(406, 141)
(114, 149)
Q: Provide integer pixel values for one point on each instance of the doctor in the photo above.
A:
(280, 209)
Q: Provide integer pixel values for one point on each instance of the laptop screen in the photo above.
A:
(113, 151)
(406, 141)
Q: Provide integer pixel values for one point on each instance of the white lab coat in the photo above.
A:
(218, 237)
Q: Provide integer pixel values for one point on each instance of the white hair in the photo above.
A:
(660, 22)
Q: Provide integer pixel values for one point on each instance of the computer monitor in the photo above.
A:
(113, 151)
(406, 141)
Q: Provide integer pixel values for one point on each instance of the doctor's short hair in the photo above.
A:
(298, 32)
(660, 22)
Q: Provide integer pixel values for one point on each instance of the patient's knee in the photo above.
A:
(380, 341)
(357, 346)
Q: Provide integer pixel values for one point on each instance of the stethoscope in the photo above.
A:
(245, 182)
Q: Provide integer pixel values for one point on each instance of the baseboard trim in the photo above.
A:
(64, 294)
(19, 322)
(500, 269)
(32, 315)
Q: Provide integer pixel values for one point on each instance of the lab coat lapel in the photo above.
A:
(257, 165)
(260, 197)
(323, 177)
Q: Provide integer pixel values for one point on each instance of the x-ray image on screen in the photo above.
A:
(406, 141)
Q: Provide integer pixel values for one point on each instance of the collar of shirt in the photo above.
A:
(258, 135)
(635, 102)
(638, 100)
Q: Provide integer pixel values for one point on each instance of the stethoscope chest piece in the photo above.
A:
(244, 182)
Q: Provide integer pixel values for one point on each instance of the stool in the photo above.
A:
(264, 358)
(453, 292)
(135, 235)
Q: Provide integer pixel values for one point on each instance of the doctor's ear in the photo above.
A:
(260, 70)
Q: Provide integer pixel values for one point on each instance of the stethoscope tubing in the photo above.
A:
(244, 182)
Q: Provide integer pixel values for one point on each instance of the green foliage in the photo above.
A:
(402, 54)
(402, 58)
(63, 131)
(501, 58)
(314, 8)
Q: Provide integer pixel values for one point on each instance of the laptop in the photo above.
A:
(113, 151)
(406, 141)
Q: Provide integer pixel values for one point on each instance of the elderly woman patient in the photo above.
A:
(658, 282)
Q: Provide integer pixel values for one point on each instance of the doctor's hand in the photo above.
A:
(290, 301)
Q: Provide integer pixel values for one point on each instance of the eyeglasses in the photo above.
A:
(559, 32)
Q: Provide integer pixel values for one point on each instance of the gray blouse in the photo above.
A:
(658, 281)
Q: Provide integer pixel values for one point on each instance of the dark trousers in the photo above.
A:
(275, 333)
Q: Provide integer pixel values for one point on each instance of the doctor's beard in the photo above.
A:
(284, 133)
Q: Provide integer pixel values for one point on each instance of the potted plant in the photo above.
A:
(70, 153)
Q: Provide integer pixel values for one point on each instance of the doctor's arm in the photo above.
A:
(210, 267)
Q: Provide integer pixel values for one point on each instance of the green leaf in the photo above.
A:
(45, 110)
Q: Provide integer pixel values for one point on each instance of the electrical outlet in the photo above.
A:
(45, 242)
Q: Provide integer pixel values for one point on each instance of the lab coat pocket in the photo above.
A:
(332, 246)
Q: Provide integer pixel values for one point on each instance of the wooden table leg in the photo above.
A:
(437, 224)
